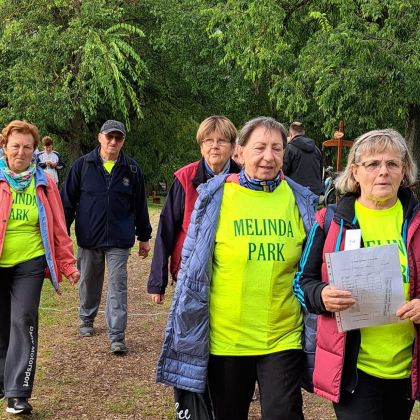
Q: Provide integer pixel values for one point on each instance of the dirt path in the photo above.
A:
(77, 378)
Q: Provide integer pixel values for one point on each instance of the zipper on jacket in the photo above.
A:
(357, 380)
(108, 187)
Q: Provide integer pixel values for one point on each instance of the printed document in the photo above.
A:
(373, 276)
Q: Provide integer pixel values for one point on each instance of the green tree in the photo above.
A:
(186, 83)
(64, 61)
(196, 58)
(355, 60)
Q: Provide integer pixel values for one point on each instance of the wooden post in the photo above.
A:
(338, 142)
(155, 198)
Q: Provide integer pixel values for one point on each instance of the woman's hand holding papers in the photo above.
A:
(411, 311)
(336, 300)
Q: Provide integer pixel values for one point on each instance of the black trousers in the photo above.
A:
(232, 383)
(192, 405)
(376, 399)
(20, 291)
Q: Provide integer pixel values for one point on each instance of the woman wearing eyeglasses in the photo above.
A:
(216, 137)
(370, 373)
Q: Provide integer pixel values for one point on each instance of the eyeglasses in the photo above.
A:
(218, 142)
(376, 165)
(110, 137)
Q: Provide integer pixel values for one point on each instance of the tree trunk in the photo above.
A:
(76, 136)
(74, 139)
(412, 136)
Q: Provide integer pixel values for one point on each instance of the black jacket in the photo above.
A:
(108, 212)
(303, 163)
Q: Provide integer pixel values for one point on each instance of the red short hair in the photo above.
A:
(20, 127)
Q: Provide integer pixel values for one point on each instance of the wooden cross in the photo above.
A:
(339, 143)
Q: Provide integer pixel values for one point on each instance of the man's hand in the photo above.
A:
(74, 278)
(411, 311)
(158, 299)
(144, 249)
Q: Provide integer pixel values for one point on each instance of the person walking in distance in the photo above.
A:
(302, 159)
(50, 160)
(105, 193)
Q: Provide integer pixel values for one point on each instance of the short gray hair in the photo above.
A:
(377, 141)
(267, 122)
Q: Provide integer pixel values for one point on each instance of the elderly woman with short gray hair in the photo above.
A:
(234, 319)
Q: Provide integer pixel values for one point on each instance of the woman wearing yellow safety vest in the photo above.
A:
(234, 319)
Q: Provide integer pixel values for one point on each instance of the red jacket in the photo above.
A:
(184, 176)
(336, 353)
(174, 221)
(57, 244)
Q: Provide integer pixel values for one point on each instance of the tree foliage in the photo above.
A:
(356, 60)
(64, 60)
(162, 66)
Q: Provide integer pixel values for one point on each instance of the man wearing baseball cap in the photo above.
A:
(105, 193)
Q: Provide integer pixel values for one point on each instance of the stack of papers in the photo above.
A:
(373, 276)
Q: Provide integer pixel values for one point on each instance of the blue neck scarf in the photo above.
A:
(257, 184)
(211, 174)
(20, 181)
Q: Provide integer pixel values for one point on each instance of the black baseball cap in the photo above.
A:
(112, 125)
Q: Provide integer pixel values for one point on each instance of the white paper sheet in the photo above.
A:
(373, 275)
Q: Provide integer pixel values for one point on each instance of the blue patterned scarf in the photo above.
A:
(257, 184)
(210, 173)
(20, 181)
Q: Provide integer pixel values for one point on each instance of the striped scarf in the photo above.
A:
(257, 184)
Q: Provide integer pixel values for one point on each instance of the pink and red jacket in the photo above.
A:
(57, 244)
(336, 353)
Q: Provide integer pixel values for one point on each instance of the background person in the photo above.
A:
(105, 192)
(216, 137)
(33, 237)
(50, 160)
(366, 372)
(234, 318)
(302, 159)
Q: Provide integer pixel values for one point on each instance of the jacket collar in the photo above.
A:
(94, 156)
(40, 177)
(345, 207)
(201, 176)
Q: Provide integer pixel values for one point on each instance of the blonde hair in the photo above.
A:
(377, 141)
(20, 127)
(219, 124)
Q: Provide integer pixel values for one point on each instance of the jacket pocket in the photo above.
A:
(191, 325)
